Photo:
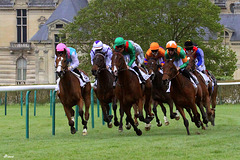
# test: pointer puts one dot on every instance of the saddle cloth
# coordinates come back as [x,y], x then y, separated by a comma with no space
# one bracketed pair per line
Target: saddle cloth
[82,84]
[144,75]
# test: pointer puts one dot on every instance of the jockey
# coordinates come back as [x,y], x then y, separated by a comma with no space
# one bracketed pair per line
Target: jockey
[72,58]
[128,51]
[139,53]
[156,52]
[181,61]
[189,46]
[199,56]
[99,47]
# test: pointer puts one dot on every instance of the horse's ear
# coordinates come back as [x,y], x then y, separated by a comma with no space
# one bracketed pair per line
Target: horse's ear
[65,51]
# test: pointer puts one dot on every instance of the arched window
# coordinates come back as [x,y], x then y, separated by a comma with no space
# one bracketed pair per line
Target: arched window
[21,70]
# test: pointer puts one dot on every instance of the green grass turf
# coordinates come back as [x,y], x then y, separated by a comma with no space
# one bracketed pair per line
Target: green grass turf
[166,142]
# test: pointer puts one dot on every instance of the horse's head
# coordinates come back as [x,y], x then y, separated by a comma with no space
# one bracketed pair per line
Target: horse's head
[118,62]
[191,58]
[61,62]
[98,63]
[169,71]
[152,66]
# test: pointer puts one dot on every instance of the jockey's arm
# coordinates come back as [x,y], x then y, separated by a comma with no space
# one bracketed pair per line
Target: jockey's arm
[199,58]
[75,62]
[108,57]
[92,56]
[184,58]
[147,56]
[131,52]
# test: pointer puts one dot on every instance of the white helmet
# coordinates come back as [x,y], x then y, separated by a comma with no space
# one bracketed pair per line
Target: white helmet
[97,45]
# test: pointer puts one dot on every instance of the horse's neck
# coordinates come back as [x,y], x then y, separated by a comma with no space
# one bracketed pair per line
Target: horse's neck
[179,82]
[157,79]
[125,77]
[105,77]
[66,81]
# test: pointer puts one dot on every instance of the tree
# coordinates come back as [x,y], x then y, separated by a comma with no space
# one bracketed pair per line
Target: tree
[145,21]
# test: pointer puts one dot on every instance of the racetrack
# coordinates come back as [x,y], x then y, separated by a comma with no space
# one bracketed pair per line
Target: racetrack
[166,142]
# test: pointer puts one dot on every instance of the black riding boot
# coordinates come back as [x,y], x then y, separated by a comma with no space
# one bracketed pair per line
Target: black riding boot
[140,75]
[78,72]
[189,75]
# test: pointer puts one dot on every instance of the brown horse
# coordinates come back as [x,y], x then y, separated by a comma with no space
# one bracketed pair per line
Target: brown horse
[182,92]
[129,92]
[71,93]
[104,91]
[205,99]
[159,94]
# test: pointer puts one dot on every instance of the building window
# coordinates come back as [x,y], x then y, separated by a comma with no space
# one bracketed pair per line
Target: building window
[21,70]
[21,25]
[59,25]
[58,39]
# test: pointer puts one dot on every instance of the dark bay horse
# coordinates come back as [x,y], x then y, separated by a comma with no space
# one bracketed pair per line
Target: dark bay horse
[104,91]
[129,92]
[159,94]
[182,92]
[71,93]
[205,99]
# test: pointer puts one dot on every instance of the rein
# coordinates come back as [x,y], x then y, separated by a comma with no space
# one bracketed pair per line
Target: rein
[173,76]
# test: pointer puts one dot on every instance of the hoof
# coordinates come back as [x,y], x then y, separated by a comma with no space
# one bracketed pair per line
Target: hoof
[120,129]
[139,132]
[73,130]
[166,123]
[128,126]
[177,118]
[84,133]
[116,123]
[148,127]
[110,125]
[159,124]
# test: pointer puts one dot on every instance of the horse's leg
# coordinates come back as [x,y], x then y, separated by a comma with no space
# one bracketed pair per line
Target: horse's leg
[120,129]
[81,112]
[70,120]
[135,108]
[127,110]
[197,120]
[159,123]
[190,114]
[114,106]
[214,103]
[87,100]
[204,115]
[106,117]
[185,121]
[172,114]
[164,112]
[109,123]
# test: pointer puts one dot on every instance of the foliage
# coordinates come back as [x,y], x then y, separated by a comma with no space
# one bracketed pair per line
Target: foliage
[145,21]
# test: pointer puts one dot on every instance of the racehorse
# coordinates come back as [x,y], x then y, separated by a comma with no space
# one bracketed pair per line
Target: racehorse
[159,94]
[182,92]
[205,99]
[129,92]
[104,91]
[71,93]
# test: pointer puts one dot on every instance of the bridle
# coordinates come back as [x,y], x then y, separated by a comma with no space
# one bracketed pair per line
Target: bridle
[100,68]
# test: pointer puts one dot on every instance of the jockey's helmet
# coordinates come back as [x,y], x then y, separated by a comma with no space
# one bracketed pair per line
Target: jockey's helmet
[60,47]
[119,41]
[171,44]
[154,46]
[188,44]
[98,45]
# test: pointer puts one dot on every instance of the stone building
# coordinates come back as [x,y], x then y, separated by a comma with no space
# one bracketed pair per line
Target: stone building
[29,31]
